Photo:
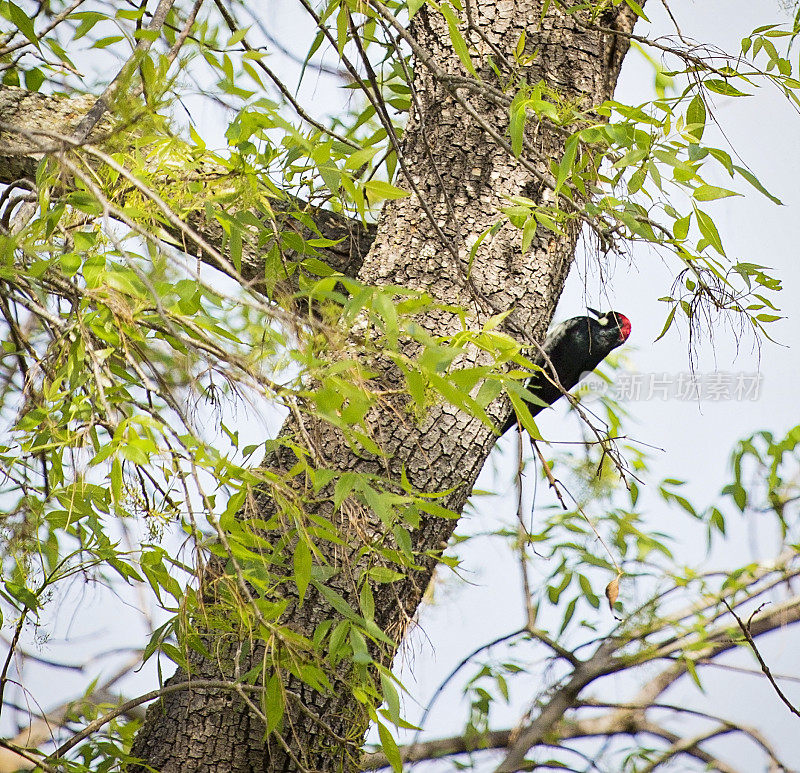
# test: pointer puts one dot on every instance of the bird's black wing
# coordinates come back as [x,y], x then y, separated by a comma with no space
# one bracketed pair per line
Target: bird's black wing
[563,346]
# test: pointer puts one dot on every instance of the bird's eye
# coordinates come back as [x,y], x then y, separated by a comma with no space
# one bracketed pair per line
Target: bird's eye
[603,321]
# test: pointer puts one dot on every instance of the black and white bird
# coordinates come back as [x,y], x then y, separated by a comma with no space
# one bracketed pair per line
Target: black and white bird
[574,347]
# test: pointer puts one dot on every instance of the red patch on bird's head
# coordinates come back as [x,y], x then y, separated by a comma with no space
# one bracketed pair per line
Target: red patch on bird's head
[624,327]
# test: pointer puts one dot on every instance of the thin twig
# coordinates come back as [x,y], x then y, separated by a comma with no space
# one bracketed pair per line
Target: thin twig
[55,21]
[745,628]
[184,33]
[10,656]
[554,485]
[298,108]
[98,110]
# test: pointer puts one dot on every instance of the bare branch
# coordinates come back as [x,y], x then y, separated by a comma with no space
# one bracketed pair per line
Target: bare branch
[745,628]
[441,747]
[103,103]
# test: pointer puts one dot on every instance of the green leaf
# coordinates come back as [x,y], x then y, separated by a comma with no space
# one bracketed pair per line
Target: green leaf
[568,613]
[528,232]
[637,181]
[34,78]
[359,645]
[754,181]
[711,192]
[709,230]
[116,479]
[457,39]
[391,698]
[377,190]
[360,157]
[458,398]
[383,574]
[737,491]
[437,510]
[519,49]
[342,28]
[367,601]
[516,125]
[23,595]
[681,227]
[691,668]
[302,567]
[346,483]
[568,161]
[474,249]
[24,23]
[637,9]
[274,702]
[336,601]
[338,638]
[667,324]
[390,748]
[724,88]
[696,117]
[524,415]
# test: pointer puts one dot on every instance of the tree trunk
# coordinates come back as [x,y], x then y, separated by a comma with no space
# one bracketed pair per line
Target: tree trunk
[464,177]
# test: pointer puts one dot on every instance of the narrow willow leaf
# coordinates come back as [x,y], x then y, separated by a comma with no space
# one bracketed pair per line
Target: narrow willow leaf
[567,162]
[377,190]
[390,749]
[524,415]
[23,22]
[528,232]
[756,183]
[709,230]
[457,39]
[274,702]
[414,6]
[668,323]
[696,117]
[724,88]
[391,698]
[637,9]
[712,192]
[302,568]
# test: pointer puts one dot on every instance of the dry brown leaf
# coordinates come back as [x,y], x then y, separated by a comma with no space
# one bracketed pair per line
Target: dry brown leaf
[612,592]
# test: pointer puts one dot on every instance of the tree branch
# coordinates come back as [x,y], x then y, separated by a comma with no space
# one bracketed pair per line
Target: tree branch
[441,747]
[745,628]
[31,119]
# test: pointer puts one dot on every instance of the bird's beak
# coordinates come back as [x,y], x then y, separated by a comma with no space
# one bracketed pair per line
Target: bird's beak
[593,311]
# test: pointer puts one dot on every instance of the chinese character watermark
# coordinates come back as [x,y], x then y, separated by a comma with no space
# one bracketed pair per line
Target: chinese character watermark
[716,386]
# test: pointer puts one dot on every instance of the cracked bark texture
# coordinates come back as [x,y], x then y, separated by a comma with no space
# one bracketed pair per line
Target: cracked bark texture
[471,176]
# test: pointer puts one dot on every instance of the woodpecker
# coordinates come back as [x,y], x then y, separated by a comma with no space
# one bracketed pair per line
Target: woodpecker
[574,347]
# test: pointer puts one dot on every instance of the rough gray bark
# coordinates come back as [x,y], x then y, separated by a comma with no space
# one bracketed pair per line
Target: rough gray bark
[213,731]
[472,175]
